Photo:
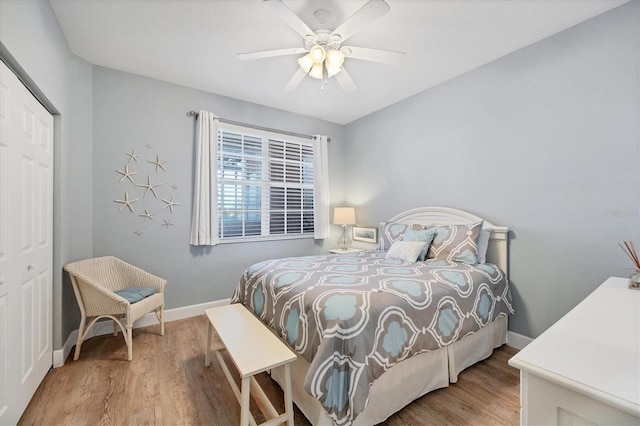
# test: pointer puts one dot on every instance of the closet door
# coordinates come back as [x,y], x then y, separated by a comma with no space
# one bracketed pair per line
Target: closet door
[26,246]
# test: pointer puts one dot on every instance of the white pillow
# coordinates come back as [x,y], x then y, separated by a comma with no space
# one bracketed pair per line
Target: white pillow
[483,244]
[406,250]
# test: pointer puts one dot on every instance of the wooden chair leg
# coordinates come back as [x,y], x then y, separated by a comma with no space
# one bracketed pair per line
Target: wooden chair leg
[160,315]
[115,328]
[129,339]
[76,354]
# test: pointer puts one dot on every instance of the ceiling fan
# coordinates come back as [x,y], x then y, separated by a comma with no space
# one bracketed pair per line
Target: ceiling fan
[323,49]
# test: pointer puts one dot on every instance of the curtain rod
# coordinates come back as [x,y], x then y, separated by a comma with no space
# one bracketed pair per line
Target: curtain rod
[253,126]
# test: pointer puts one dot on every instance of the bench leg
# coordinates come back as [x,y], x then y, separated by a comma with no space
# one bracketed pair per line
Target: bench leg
[288,403]
[207,355]
[244,406]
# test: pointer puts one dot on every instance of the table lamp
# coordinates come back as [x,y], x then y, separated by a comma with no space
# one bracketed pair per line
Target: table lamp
[344,216]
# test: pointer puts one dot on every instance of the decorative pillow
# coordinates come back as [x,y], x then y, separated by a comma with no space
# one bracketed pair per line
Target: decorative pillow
[424,235]
[483,244]
[393,231]
[456,243]
[406,250]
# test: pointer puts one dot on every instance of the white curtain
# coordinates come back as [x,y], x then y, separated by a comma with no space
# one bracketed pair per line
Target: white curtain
[321,188]
[204,229]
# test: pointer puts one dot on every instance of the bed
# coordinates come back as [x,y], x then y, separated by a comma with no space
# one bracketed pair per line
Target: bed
[375,333]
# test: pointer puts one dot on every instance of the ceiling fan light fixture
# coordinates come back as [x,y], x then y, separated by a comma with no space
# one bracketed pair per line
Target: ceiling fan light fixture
[316,71]
[317,54]
[335,58]
[305,63]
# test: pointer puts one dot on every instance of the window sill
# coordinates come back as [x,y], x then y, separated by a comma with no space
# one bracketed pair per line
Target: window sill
[259,239]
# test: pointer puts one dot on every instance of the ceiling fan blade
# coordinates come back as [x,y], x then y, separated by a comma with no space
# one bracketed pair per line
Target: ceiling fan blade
[295,80]
[271,53]
[281,9]
[373,55]
[345,81]
[368,13]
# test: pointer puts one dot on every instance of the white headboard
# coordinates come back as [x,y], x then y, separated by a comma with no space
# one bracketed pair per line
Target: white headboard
[497,253]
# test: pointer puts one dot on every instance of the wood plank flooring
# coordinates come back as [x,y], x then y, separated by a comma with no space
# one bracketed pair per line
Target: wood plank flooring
[167,383]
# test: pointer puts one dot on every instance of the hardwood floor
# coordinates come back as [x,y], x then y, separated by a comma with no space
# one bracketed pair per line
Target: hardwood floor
[167,383]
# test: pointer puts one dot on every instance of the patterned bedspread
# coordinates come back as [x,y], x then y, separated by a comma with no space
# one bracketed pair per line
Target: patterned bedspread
[353,316]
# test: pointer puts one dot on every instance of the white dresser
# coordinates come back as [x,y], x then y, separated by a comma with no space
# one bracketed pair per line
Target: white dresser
[585,369]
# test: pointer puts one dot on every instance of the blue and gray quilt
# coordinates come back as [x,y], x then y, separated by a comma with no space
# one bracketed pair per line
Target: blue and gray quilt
[354,316]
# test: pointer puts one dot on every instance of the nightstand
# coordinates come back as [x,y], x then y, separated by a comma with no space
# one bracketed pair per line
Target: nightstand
[340,251]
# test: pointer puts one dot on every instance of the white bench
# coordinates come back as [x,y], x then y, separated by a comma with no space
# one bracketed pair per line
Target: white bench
[253,349]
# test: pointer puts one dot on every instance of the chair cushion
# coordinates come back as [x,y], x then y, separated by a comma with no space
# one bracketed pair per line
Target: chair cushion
[135,294]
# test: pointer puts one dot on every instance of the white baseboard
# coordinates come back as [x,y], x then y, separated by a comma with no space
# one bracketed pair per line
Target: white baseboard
[517,341]
[106,327]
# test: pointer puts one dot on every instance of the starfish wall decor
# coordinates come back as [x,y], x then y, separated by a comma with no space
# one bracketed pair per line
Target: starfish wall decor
[170,204]
[133,156]
[126,202]
[147,215]
[127,178]
[127,174]
[150,187]
[158,163]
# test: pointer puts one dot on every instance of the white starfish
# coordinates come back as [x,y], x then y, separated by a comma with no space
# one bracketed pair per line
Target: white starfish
[127,174]
[138,232]
[133,156]
[147,215]
[166,222]
[170,204]
[150,187]
[126,202]
[158,163]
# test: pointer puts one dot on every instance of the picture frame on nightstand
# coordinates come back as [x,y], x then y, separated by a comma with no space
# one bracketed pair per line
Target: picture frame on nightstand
[365,234]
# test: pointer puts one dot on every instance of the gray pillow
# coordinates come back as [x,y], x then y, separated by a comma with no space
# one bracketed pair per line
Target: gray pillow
[393,231]
[483,245]
[456,243]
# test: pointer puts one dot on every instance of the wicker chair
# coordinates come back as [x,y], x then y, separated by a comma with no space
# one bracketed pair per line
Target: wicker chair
[94,283]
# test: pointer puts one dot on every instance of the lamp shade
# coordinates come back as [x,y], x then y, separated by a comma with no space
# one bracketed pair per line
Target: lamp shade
[335,58]
[344,216]
[305,63]
[316,71]
[317,54]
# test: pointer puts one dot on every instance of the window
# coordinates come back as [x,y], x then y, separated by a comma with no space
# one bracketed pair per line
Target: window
[265,185]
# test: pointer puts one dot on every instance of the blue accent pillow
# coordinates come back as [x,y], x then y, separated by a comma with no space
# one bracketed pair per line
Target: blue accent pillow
[135,294]
[423,235]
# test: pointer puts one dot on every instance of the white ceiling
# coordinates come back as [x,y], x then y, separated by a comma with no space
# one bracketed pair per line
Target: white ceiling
[195,42]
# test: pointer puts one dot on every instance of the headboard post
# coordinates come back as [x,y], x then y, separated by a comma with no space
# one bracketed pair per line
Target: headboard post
[498,250]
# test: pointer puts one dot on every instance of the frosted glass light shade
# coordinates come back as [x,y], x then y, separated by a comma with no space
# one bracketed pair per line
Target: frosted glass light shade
[316,71]
[344,216]
[317,54]
[335,58]
[305,63]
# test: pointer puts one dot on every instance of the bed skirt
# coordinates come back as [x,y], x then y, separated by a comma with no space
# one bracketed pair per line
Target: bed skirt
[406,381]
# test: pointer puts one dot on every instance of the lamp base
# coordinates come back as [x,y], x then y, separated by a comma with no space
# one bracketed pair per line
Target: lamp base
[344,241]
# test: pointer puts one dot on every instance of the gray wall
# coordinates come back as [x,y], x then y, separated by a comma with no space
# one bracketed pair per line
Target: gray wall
[131,111]
[545,141]
[31,41]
